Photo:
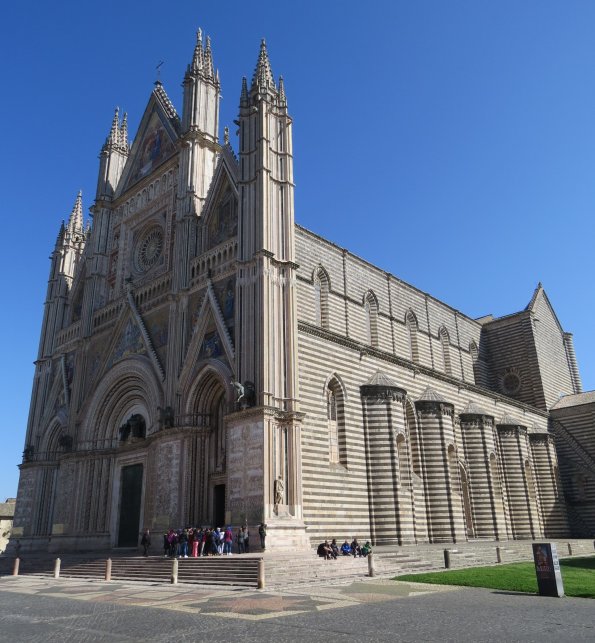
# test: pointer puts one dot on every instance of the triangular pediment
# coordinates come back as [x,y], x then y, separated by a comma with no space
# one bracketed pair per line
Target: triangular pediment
[128,340]
[210,338]
[220,212]
[154,143]
[540,305]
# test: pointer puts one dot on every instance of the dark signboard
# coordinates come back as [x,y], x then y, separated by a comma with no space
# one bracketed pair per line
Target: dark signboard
[547,569]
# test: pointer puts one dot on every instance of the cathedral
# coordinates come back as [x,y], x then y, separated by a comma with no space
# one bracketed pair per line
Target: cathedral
[204,360]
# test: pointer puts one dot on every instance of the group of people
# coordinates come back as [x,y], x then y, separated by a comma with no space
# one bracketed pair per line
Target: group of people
[194,542]
[331,551]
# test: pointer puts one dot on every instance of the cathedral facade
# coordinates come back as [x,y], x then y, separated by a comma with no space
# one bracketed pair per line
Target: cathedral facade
[204,360]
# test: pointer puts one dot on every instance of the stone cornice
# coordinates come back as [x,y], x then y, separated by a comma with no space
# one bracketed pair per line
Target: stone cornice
[364,349]
[383,393]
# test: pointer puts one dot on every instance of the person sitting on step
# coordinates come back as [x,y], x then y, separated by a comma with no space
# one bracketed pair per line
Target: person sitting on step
[356,549]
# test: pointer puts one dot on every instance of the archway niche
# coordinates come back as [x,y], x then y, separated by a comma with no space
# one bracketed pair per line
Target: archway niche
[207,491]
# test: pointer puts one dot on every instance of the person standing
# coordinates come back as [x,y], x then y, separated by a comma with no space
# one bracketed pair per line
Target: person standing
[145,541]
[227,541]
[246,539]
[240,540]
[262,532]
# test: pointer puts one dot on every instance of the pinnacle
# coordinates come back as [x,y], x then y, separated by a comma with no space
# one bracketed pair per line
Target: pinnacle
[114,134]
[75,222]
[282,98]
[209,71]
[263,76]
[61,232]
[202,60]
[124,132]
[198,59]
[244,94]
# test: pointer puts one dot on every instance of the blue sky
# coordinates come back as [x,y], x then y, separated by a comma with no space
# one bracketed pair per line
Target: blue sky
[451,143]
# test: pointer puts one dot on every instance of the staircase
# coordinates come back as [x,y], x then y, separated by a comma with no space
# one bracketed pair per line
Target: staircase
[231,571]
[287,569]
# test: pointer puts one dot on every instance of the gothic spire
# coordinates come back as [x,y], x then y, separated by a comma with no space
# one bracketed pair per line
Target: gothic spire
[208,68]
[282,98]
[198,58]
[124,132]
[263,76]
[75,221]
[114,135]
[60,237]
[244,94]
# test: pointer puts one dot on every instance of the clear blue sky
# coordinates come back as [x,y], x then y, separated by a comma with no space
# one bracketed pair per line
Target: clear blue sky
[451,143]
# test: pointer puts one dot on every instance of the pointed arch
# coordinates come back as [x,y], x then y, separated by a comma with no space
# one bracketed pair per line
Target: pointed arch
[412,329]
[473,351]
[371,311]
[129,387]
[335,416]
[445,342]
[322,287]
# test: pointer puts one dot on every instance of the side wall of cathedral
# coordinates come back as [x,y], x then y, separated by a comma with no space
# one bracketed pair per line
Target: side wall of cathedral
[381,460]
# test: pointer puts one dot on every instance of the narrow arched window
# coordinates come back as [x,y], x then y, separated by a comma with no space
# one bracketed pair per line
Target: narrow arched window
[445,341]
[333,429]
[321,293]
[411,323]
[371,310]
[336,423]
[530,480]
[474,352]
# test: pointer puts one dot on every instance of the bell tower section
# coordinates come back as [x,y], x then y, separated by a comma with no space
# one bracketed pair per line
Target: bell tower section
[266,318]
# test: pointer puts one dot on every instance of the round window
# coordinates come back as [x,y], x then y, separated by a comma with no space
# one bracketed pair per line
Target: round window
[149,249]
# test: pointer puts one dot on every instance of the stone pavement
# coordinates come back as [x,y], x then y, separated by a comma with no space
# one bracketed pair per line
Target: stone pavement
[41,609]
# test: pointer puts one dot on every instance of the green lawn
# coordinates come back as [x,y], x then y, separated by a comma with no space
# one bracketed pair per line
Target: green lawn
[578,575]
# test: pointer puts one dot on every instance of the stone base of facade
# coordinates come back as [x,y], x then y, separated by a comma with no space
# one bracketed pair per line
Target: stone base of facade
[286,535]
[96,542]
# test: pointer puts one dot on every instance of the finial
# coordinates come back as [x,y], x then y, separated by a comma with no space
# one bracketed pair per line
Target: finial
[282,98]
[158,70]
[226,135]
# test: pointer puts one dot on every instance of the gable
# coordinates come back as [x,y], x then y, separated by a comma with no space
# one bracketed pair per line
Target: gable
[153,145]
[221,207]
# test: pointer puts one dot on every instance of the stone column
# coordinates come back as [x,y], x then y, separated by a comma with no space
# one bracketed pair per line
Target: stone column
[547,478]
[440,468]
[487,508]
[383,412]
[518,478]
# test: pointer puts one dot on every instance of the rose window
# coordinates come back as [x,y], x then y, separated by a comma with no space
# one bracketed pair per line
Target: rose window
[149,249]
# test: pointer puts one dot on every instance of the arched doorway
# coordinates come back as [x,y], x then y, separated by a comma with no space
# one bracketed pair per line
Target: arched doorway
[131,491]
[208,448]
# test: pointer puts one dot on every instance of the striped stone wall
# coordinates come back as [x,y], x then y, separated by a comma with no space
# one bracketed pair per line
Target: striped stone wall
[519,480]
[551,497]
[484,477]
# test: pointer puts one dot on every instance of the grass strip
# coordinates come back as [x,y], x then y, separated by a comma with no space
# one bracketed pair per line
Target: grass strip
[577,574]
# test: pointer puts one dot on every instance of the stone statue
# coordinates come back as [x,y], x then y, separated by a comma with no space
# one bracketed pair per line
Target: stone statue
[246,395]
[279,491]
[239,389]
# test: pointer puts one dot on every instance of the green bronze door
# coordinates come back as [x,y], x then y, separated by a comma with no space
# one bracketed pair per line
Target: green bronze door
[131,488]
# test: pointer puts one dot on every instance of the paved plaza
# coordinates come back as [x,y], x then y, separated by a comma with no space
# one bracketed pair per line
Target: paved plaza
[41,609]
